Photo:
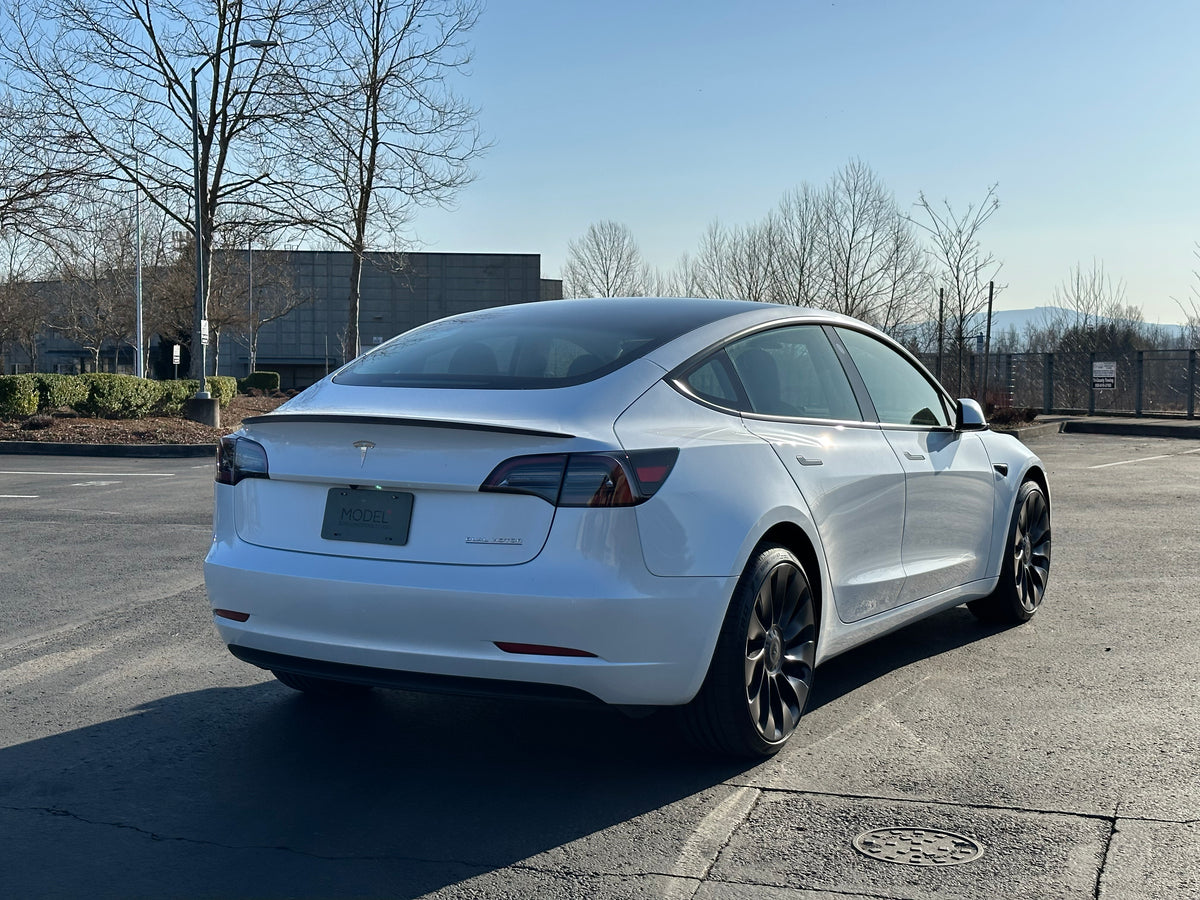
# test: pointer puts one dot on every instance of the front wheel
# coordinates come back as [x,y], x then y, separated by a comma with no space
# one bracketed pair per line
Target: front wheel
[1026,567]
[762,669]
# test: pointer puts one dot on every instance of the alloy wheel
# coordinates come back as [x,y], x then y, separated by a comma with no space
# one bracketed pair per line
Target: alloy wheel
[1031,551]
[780,651]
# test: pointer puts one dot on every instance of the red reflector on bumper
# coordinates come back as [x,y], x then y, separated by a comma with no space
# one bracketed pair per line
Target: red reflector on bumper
[231,614]
[541,650]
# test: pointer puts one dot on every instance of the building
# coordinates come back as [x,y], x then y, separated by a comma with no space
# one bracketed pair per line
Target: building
[399,291]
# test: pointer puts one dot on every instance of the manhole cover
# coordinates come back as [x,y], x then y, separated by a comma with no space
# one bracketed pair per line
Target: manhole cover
[918,846]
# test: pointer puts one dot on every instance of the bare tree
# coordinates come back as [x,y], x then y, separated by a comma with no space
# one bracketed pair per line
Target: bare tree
[799,275]
[106,65]
[251,289]
[961,267]
[383,132]
[1191,311]
[869,253]
[605,262]
[95,306]
[23,312]
[38,164]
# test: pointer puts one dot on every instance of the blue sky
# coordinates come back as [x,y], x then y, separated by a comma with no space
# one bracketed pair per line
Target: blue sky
[666,116]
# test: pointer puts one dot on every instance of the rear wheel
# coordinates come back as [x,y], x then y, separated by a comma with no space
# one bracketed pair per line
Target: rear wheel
[1026,567]
[762,669]
[319,687]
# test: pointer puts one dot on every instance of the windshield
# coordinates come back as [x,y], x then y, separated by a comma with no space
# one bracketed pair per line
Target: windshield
[532,345]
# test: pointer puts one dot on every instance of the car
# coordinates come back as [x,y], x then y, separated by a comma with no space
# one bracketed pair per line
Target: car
[644,502]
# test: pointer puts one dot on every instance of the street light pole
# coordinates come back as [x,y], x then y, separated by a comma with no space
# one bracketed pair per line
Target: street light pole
[200,334]
[139,364]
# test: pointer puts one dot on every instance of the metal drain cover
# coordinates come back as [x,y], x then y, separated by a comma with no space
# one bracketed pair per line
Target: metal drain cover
[918,846]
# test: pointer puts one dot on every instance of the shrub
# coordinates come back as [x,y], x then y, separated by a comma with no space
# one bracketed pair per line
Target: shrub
[1012,415]
[265,382]
[113,396]
[223,387]
[18,396]
[173,395]
[60,391]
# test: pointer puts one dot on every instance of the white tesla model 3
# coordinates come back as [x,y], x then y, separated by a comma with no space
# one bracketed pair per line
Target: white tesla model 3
[646,502]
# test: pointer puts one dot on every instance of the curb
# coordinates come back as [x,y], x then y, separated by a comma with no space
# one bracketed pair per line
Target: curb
[1027,432]
[1132,428]
[145,451]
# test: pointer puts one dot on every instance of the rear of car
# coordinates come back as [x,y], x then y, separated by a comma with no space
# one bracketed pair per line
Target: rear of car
[454,511]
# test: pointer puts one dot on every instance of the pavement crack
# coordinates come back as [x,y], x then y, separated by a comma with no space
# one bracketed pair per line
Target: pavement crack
[1113,831]
[954,804]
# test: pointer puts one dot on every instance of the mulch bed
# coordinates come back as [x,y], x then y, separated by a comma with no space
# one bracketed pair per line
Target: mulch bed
[62,429]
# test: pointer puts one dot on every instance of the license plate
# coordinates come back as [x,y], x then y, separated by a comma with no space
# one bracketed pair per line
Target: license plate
[367,516]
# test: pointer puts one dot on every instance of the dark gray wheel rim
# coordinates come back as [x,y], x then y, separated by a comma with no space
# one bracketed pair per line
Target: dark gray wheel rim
[1031,550]
[780,649]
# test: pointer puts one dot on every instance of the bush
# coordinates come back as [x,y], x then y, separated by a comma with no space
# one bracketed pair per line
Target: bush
[173,395]
[59,391]
[118,396]
[1012,415]
[223,387]
[259,381]
[18,396]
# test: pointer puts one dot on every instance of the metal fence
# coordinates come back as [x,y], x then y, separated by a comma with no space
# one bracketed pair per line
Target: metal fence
[1147,383]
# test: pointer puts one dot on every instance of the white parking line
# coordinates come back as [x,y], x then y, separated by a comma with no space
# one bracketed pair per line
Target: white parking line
[91,474]
[18,496]
[1129,462]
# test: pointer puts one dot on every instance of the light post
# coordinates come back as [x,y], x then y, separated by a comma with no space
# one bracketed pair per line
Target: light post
[200,335]
[139,364]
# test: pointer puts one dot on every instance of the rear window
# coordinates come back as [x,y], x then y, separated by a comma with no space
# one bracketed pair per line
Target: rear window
[533,345]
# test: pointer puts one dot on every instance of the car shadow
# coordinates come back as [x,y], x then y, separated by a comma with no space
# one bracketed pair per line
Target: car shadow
[948,630]
[260,791]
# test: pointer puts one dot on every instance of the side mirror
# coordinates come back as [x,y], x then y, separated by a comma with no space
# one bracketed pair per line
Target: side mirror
[969,416]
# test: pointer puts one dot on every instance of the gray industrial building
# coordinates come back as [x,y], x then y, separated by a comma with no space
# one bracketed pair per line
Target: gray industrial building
[398,292]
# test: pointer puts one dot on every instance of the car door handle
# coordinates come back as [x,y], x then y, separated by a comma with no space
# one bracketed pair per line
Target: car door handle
[914,456]
[809,462]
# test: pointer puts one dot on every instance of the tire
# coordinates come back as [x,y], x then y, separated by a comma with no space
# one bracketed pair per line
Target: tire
[761,672]
[319,687]
[1026,567]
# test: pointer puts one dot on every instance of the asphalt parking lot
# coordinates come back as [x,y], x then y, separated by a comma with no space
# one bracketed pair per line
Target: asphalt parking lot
[138,759]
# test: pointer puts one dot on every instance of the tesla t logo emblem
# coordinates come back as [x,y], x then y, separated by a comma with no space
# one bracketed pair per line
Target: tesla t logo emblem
[363,447]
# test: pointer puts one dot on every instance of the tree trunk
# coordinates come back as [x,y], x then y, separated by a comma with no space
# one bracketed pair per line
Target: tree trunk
[353,340]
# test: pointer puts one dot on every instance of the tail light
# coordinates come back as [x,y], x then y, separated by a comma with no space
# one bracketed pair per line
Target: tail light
[238,458]
[585,479]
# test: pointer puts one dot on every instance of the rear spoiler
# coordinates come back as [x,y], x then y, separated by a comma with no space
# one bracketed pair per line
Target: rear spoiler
[350,419]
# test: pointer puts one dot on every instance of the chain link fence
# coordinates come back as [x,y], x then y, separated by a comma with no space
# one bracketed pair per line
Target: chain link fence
[1147,382]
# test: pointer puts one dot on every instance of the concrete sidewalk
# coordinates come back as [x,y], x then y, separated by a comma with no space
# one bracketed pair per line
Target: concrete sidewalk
[1128,426]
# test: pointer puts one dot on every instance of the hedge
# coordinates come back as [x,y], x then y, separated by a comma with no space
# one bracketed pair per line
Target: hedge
[267,382]
[18,396]
[173,395]
[59,391]
[106,395]
[223,387]
[112,396]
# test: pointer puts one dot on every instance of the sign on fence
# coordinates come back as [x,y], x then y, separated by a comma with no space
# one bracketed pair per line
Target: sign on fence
[1104,376]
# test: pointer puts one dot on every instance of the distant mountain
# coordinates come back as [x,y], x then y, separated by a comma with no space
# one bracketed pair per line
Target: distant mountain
[1039,316]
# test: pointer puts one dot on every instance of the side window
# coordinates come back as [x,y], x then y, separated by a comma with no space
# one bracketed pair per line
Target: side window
[794,371]
[901,393]
[711,382]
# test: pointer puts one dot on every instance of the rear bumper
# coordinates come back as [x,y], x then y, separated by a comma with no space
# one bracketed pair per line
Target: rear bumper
[400,622]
